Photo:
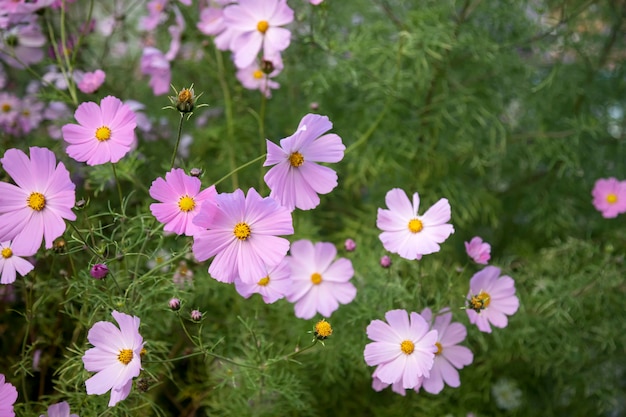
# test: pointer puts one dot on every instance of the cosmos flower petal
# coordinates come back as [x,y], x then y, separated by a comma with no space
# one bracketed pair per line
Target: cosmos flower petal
[434,383]
[458,356]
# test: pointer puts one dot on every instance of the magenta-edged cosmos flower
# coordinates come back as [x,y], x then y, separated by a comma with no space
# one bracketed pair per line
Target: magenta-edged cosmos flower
[91,81]
[61,409]
[478,250]
[273,286]
[491,298]
[409,234]
[103,134]
[320,283]
[34,209]
[8,396]
[609,197]
[257,26]
[242,235]
[180,200]
[12,263]
[403,348]
[116,357]
[297,179]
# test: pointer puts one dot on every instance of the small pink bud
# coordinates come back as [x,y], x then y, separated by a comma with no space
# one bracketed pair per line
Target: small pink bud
[99,271]
[196,315]
[385,261]
[174,304]
[350,245]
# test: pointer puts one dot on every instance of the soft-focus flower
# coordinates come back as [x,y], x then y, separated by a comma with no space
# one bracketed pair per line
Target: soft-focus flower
[30,115]
[36,207]
[61,409]
[116,357]
[409,234]
[176,31]
[22,42]
[180,199]
[91,81]
[103,134]
[157,15]
[478,250]
[507,394]
[183,276]
[8,396]
[403,348]
[349,245]
[154,64]
[258,27]
[491,298]
[257,76]
[297,179]
[11,262]
[99,271]
[174,304]
[275,285]
[242,235]
[320,283]
[385,261]
[10,107]
[196,315]
[609,197]
[315,2]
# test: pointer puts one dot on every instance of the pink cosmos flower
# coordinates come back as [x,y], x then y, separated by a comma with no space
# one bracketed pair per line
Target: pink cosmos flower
[403,349]
[156,10]
[242,235]
[30,116]
[116,357]
[176,32]
[272,287]
[34,209]
[180,200]
[254,78]
[297,179]
[409,234]
[8,396]
[154,64]
[11,262]
[61,409]
[104,134]
[91,81]
[491,298]
[320,283]
[609,197]
[257,24]
[23,43]
[478,250]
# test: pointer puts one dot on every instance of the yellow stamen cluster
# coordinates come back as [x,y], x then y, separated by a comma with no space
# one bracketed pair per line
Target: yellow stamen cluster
[242,231]
[264,281]
[611,198]
[7,253]
[415,226]
[316,278]
[296,159]
[103,133]
[36,201]
[480,302]
[263,26]
[258,74]
[186,203]
[125,356]
[323,329]
[6,107]
[407,347]
[439,348]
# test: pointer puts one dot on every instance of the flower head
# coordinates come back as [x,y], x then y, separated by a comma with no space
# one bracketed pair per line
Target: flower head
[478,250]
[35,208]
[272,287]
[491,298]
[297,179]
[8,396]
[409,234]
[403,348]
[385,261]
[99,271]
[609,197]
[104,134]
[61,409]
[116,357]
[320,283]
[91,81]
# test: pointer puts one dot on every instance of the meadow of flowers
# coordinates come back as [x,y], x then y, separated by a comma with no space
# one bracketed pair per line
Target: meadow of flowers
[312,207]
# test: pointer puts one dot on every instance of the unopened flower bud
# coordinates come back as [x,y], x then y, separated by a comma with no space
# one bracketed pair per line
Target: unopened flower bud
[323,329]
[314,105]
[385,261]
[185,100]
[196,315]
[350,245]
[174,304]
[80,203]
[99,271]
[267,66]
[195,172]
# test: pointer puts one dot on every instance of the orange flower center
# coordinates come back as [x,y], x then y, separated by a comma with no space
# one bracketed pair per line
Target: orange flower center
[264,281]
[415,226]
[316,278]
[263,26]
[125,356]
[296,159]
[439,348]
[407,347]
[7,253]
[480,302]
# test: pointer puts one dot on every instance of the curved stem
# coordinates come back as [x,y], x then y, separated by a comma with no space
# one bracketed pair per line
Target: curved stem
[234,171]
[180,129]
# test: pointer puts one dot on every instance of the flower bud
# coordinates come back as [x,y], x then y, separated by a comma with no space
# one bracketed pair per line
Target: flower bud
[350,245]
[195,172]
[385,261]
[174,304]
[196,315]
[323,329]
[99,271]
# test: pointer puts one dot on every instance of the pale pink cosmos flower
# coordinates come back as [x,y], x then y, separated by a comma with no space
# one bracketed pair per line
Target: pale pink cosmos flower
[297,179]
[242,234]
[257,24]
[179,199]
[409,234]
[609,197]
[275,285]
[91,81]
[176,32]
[154,64]
[103,134]
[320,283]
[30,116]
[491,298]
[35,208]
[8,396]
[12,263]
[61,409]
[403,348]
[478,250]
[116,357]
[23,43]
[156,15]
[254,77]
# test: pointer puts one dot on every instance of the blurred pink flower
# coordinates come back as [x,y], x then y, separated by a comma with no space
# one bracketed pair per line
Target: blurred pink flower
[297,179]
[478,250]
[154,64]
[23,43]
[176,32]
[180,200]
[275,285]
[104,134]
[315,2]
[403,349]
[10,107]
[116,357]
[30,115]
[609,197]
[409,234]
[61,409]
[491,298]
[8,396]
[156,15]
[320,283]
[11,262]
[36,207]
[91,81]
[254,78]
[242,235]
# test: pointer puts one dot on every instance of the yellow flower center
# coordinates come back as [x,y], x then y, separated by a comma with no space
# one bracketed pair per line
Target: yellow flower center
[296,159]
[263,26]
[323,329]
[415,226]
[36,201]
[125,356]
[26,113]
[6,107]
[611,198]
[480,302]
[103,133]
[7,253]
[186,203]
[316,278]
[439,348]
[258,74]
[142,353]
[407,347]
[242,231]
[264,281]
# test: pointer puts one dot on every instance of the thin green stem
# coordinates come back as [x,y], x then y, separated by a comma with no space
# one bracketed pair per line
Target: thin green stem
[119,187]
[234,171]
[228,110]
[84,241]
[180,129]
